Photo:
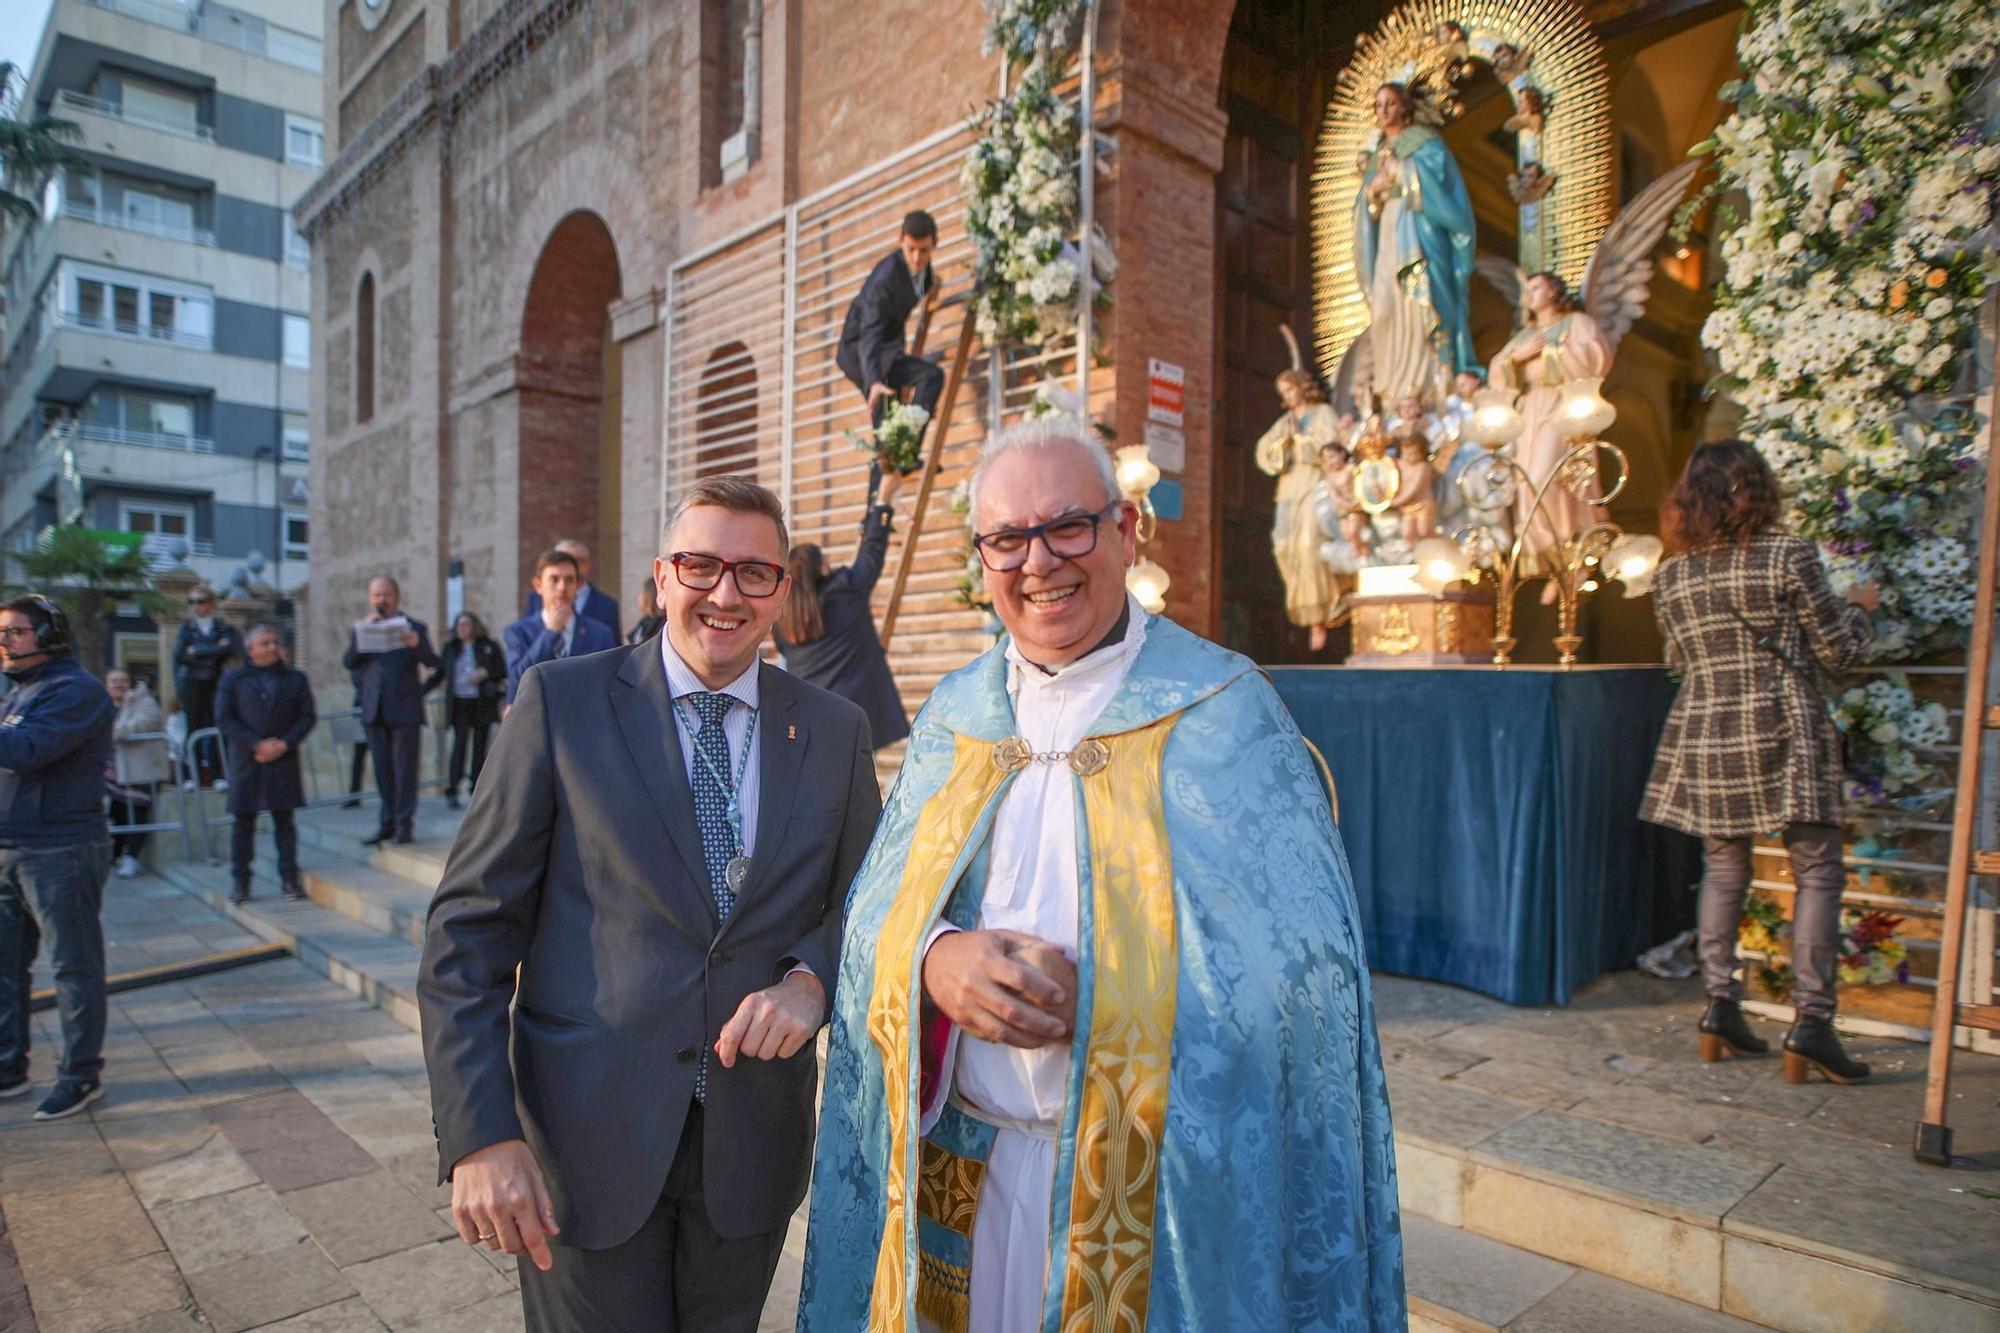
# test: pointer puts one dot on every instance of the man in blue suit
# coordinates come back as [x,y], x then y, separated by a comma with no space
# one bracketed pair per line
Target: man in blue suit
[392,708]
[592,603]
[555,629]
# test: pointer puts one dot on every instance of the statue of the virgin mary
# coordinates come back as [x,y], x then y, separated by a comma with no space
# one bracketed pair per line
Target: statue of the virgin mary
[1414,244]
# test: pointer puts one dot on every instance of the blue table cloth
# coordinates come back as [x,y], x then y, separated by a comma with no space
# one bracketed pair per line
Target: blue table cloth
[1492,818]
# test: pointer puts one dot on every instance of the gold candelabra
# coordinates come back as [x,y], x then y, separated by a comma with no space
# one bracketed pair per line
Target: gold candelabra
[1574,563]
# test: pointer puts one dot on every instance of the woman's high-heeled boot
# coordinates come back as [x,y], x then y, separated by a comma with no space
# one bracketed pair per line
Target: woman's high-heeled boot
[1813,1042]
[1725,1032]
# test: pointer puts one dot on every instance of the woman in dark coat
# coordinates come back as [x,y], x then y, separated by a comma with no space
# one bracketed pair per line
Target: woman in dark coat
[474,671]
[827,632]
[264,711]
[1749,747]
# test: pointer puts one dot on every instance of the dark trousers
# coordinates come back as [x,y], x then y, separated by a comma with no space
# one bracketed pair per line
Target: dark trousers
[468,730]
[357,768]
[907,372]
[57,893]
[395,751]
[198,702]
[129,812]
[1818,878]
[243,846]
[675,1275]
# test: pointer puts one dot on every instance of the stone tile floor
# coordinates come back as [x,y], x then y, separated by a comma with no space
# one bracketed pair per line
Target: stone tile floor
[263,1159]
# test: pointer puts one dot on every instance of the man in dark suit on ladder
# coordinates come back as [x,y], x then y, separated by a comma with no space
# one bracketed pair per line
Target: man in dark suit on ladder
[632,946]
[871,352]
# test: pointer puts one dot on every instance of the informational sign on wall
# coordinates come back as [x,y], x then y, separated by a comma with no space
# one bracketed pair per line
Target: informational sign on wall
[1166,391]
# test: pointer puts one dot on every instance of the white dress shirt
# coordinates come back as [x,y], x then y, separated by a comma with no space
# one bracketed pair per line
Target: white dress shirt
[681,682]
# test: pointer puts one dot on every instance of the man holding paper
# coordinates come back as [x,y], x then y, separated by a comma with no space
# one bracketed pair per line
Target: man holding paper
[390,651]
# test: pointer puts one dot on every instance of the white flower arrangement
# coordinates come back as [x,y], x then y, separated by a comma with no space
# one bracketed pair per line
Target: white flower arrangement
[1020,183]
[1852,285]
[1901,735]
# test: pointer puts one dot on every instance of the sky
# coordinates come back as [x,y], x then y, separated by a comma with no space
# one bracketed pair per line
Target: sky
[21,30]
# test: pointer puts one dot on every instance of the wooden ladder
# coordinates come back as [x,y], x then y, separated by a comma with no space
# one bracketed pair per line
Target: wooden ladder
[933,460]
[1982,719]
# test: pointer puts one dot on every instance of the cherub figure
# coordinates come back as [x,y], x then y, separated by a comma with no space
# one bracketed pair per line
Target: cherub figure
[1529,111]
[1510,62]
[1530,184]
[1416,495]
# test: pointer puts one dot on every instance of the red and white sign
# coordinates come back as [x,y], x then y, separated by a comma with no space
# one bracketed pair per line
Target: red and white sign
[1166,391]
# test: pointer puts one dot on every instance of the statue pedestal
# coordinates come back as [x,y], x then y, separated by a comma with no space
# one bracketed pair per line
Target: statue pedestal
[1416,629]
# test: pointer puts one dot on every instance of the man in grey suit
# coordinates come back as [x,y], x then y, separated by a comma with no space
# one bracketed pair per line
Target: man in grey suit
[391,700]
[662,846]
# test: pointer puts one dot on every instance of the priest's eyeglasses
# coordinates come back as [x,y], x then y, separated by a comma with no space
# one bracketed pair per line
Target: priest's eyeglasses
[754,578]
[1070,537]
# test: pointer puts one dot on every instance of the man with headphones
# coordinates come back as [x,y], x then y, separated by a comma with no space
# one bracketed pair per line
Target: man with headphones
[55,848]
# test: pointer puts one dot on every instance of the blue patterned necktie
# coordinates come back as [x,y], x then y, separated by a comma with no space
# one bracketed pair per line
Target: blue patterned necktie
[711,816]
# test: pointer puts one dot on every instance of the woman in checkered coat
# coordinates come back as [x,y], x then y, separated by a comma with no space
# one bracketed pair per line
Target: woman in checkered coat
[1750,747]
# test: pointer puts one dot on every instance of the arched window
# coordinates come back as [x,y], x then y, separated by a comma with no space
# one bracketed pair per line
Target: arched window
[725,414]
[364,350]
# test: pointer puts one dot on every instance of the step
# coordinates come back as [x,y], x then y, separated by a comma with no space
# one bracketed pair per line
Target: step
[1461,1281]
[1716,1230]
[376,965]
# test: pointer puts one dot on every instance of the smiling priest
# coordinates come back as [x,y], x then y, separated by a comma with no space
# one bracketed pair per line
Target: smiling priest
[1104,1053]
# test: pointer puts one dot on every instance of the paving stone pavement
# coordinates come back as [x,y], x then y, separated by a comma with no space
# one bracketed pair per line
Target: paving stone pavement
[263,1159]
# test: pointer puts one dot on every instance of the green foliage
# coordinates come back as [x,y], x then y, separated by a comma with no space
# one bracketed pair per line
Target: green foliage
[31,149]
[87,576]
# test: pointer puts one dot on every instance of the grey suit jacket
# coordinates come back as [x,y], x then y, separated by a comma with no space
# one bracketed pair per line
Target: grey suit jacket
[579,862]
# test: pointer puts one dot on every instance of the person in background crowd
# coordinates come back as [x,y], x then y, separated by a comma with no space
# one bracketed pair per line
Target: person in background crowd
[203,650]
[555,630]
[650,619]
[265,710]
[392,708]
[139,764]
[827,631]
[591,603]
[475,671]
[55,848]
[357,765]
[1749,745]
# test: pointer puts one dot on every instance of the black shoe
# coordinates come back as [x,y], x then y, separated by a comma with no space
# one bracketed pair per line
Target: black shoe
[451,800]
[377,840]
[351,803]
[68,1098]
[240,894]
[1725,1032]
[296,892]
[15,1089]
[405,839]
[1813,1042]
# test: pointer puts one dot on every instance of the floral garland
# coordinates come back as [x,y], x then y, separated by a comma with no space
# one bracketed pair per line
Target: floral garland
[1893,740]
[1852,287]
[1019,178]
[1870,953]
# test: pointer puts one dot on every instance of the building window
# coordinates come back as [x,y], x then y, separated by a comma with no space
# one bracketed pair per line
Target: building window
[364,349]
[295,535]
[158,104]
[298,254]
[162,524]
[305,142]
[298,342]
[150,417]
[298,437]
[158,212]
[136,305]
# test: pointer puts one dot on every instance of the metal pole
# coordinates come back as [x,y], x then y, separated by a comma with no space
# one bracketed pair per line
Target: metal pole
[1087,192]
[666,405]
[788,362]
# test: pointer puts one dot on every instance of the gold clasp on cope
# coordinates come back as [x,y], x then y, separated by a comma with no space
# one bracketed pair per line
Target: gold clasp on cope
[1089,757]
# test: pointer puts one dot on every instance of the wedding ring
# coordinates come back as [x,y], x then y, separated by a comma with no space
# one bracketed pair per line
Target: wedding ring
[488,1235]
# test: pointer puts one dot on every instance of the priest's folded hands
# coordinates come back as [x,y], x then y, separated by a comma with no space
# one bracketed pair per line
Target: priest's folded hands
[1002,986]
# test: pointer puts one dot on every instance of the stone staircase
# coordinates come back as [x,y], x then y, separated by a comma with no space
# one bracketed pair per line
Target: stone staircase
[1559,1169]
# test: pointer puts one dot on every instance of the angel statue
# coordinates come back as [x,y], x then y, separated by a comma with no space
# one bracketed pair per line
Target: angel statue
[1413,221]
[1289,451]
[1564,338]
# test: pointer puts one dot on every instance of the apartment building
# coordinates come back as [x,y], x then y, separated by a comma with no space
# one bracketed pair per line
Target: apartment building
[157,344]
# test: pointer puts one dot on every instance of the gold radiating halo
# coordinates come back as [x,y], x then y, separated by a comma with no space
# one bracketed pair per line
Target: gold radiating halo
[1568,68]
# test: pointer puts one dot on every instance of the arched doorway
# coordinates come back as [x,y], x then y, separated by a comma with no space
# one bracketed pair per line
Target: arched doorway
[725,413]
[568,384]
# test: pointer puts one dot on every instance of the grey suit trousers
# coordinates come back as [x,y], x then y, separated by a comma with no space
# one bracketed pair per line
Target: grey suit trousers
[708,1284]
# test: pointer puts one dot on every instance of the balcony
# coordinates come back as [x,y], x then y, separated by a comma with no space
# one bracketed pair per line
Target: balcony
[70,99]
[105,218]
[186,444]
[296,49]
[73,319]
[70,455]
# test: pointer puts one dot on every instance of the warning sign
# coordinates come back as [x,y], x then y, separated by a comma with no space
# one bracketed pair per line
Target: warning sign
[1166,391]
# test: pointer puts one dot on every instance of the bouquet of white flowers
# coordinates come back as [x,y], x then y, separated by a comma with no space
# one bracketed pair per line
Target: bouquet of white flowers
[898,441]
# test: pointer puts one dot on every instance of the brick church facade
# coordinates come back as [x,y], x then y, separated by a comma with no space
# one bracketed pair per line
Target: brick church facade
[570,254]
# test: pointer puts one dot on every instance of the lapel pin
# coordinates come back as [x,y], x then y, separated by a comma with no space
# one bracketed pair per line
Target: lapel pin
[792,732]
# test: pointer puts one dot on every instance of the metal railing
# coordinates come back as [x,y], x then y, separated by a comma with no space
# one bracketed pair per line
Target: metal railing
[76,101]
[148,439]
[125,328]
[124,222]
[151,795]
[281,44]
